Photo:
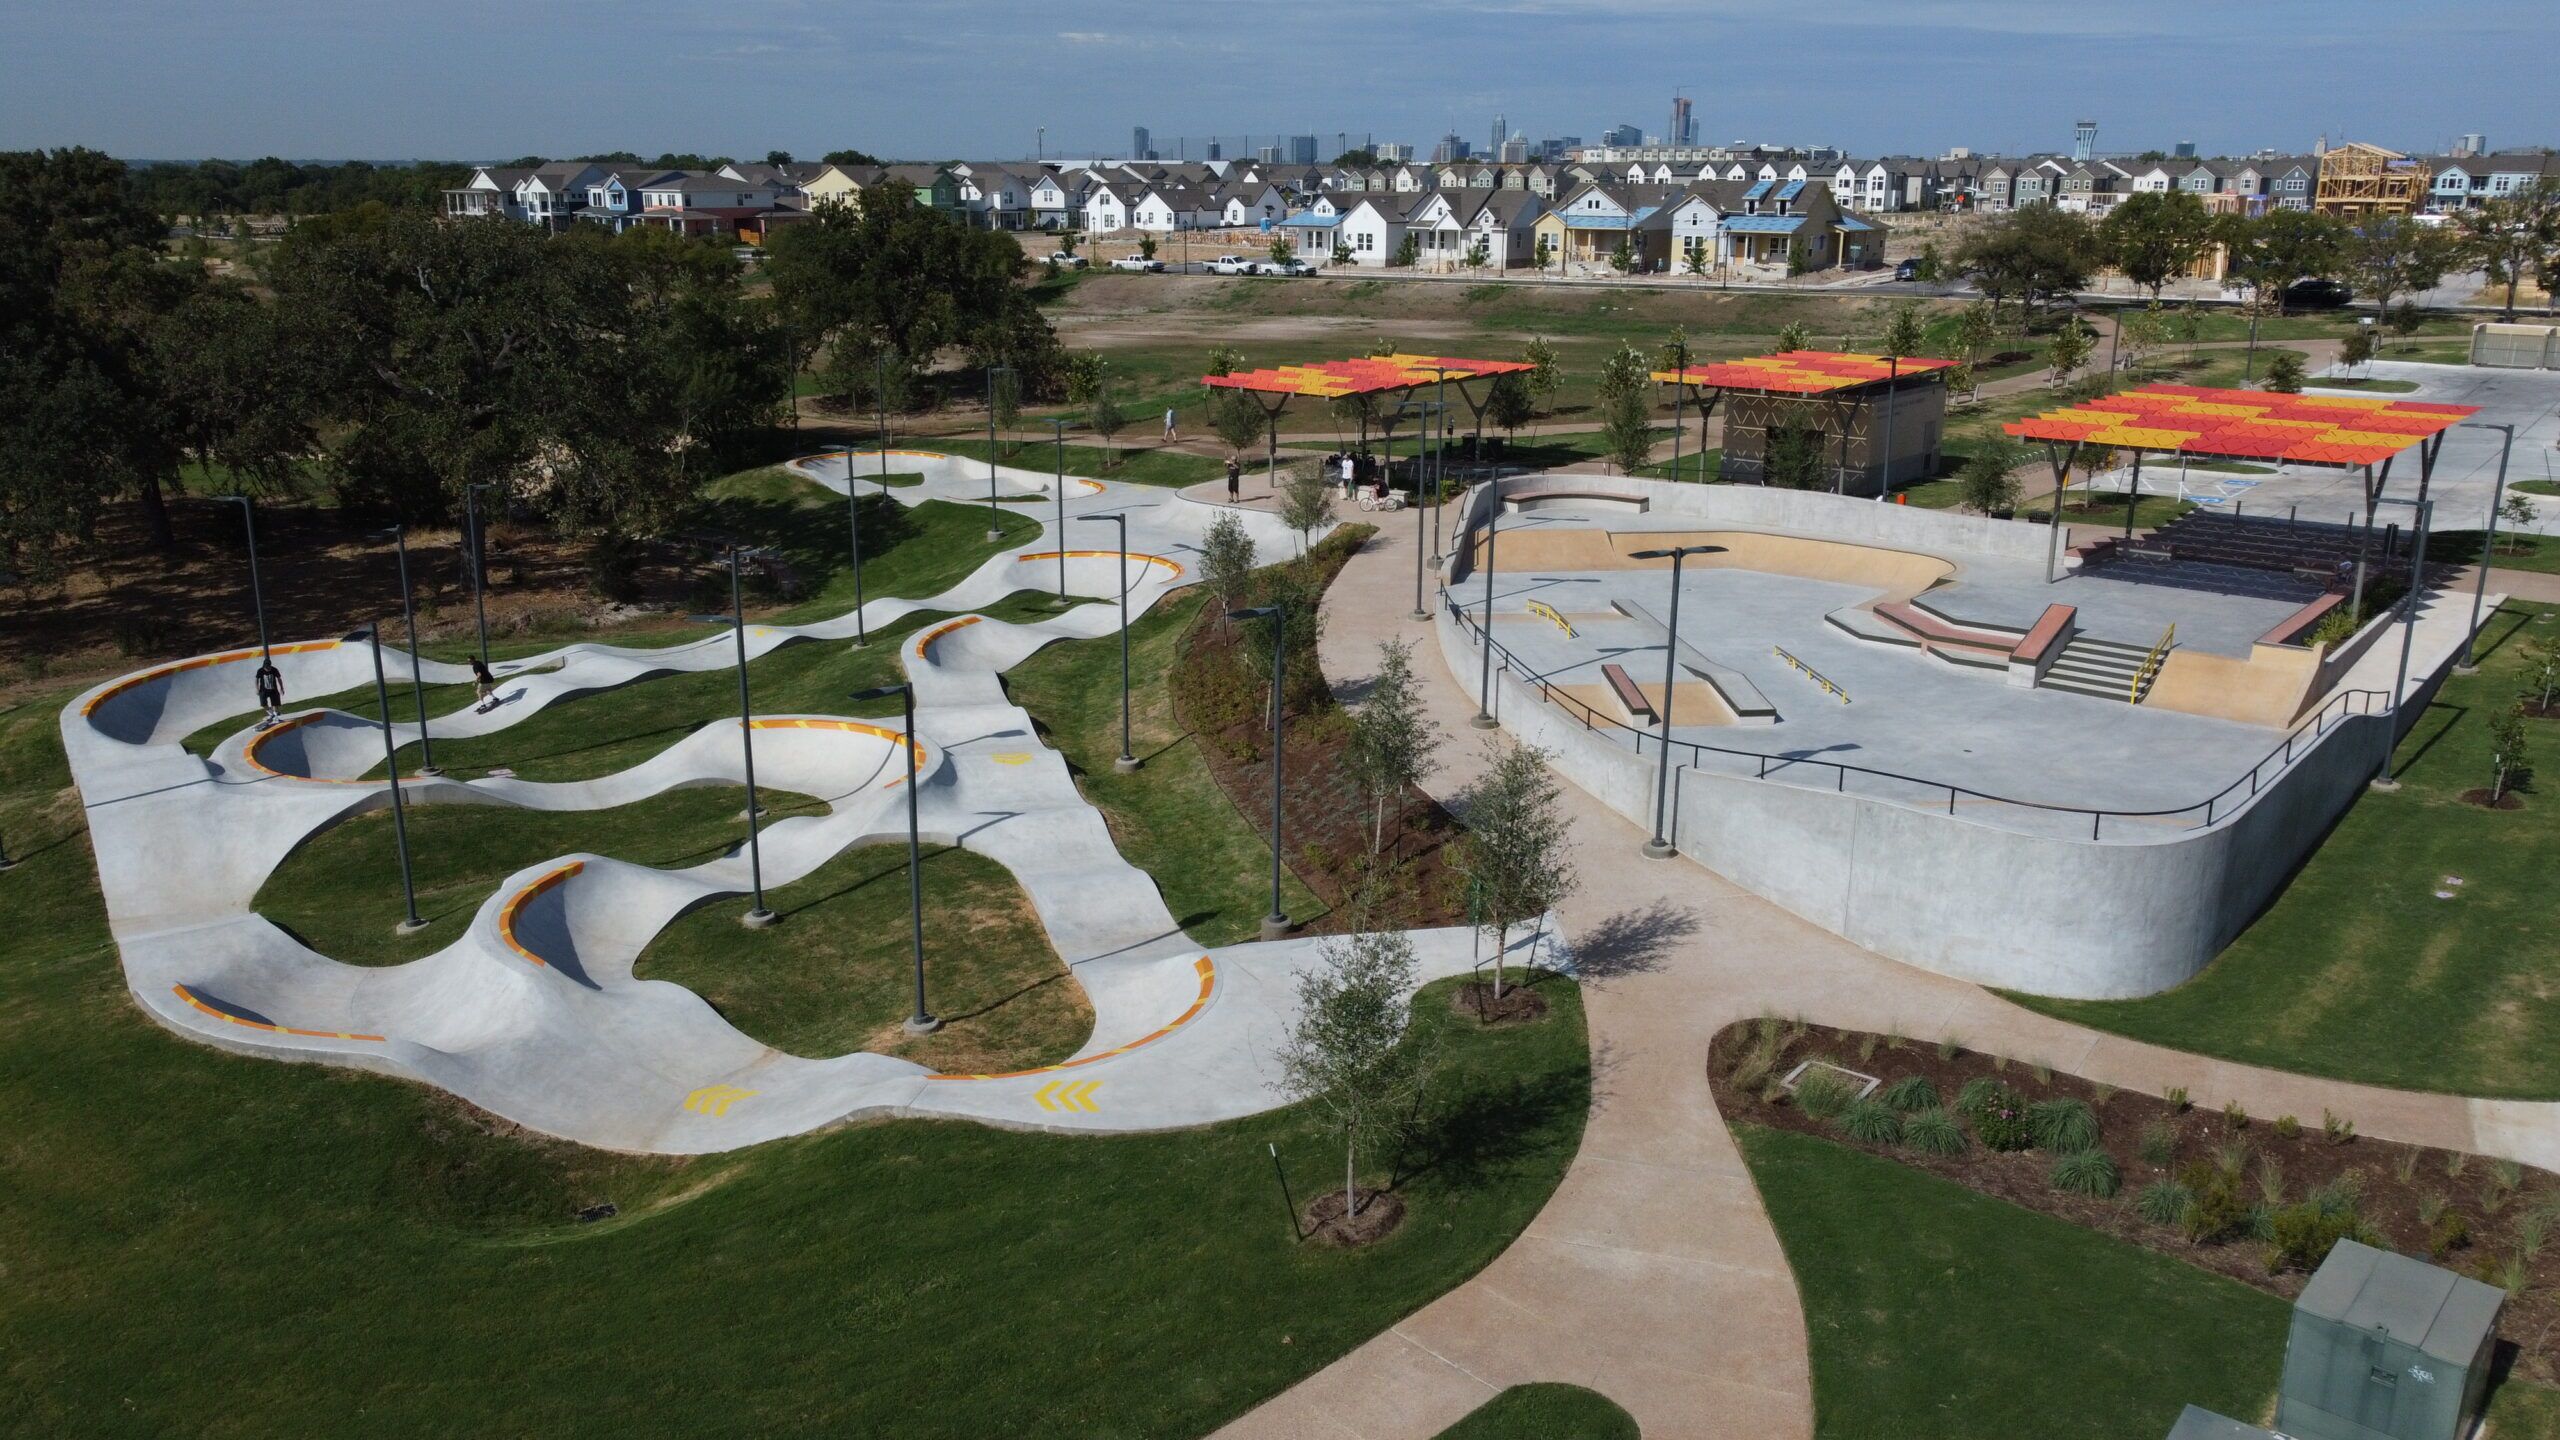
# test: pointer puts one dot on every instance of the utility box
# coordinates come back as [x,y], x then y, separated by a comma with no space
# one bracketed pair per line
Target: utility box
[2384,1347]
[2197,1423]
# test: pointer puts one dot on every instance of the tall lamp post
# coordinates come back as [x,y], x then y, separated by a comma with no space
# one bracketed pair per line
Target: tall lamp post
[923,1021]
[1421,408]
[479,560]
[2479,592]
[1893,378]
[1127,761]
[417,676]
[257,595]
[995,525]
[1484,676]
[1275,924]
[1058,435]
[757,916]
[1660,847]
[853,545]
[411,924]
[2408,635]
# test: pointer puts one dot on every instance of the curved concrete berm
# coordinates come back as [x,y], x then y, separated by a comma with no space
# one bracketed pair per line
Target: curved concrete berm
[532,1012]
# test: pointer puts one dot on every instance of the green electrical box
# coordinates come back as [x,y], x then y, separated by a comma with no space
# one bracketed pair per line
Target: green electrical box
[2384,1347]
[2198,1423]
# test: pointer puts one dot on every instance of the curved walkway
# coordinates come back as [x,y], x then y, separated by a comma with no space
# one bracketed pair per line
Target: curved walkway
[1653,1275]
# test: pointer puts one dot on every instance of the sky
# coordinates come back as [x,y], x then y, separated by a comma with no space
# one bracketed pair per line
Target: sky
[480,80]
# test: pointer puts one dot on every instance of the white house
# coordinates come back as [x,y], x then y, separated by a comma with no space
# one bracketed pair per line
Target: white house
[1052,201]
[2470,181]
[996,198]
[1107,205]
[1374,227]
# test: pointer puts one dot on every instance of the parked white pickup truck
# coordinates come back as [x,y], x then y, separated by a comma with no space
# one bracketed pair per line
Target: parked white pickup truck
[1065,261]
[1235,265]
[1139,264]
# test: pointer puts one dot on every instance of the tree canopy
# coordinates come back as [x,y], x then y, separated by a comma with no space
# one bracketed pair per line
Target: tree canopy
[2031,255]
[2154,236]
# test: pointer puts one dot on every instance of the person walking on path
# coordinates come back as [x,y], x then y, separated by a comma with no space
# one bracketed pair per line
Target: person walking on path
[1235,478]
[1171,431]
[270,693]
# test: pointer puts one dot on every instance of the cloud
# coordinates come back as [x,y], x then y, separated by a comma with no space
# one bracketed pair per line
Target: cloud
[1086,37]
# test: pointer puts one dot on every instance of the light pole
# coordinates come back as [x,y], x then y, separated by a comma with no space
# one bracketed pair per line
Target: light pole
[880,393]
[1679,397]
[1421,409]
[479,560]
[1058,433]
[257,596]
[1660,847]
[1127,760]
[412,924]
[995,525]
[417,679]
[2408,636]
[853,542]
[1893,376]
[1484,676]
[923,1021]
[2470,641]
[1275,924]
[757,916]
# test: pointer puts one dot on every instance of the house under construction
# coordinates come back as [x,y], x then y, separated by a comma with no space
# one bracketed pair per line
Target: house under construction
[2360,182]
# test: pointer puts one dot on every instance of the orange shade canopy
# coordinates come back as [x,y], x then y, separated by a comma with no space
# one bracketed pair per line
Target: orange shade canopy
[1802,372]
[2247,424]
[1328,379]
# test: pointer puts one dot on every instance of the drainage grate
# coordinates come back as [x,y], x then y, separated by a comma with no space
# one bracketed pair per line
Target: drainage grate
[1866,1083]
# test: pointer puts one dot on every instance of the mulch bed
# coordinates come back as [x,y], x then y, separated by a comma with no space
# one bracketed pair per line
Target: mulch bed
[2504,1218]
[1518,1006]
[2480,796]
[1328,821]
[1381,1211]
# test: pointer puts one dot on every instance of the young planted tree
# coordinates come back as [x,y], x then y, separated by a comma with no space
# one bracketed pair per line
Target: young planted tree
[1408,251]
[1306,504]
[1283,253]
[2395,256]
[2067,351]
[1542,255]
[1792,458]
[1004,405]
[1108,420]
[1146,247]
[1904,334]
[1391,739]
[1507,403]
[1989,480]
[2512,237]
[1478,255]
[1626,430]
[1799,259]
[2542,669]
[1517,851]
[2285,372]
[2509,756]
[1226,561]
[1976,328]
[1698,260]
[2357,349]
[1794,335]
[1238,419]
[1352,1048]
[1341,253]
[1545,374]
[1623,259]
[2140,336]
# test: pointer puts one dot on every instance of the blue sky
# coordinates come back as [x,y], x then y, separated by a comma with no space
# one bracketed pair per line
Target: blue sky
[477,79]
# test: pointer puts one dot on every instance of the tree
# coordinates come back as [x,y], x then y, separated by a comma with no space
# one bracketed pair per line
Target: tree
[1545,373]
[1623,258]
[2405,319]
[1226,561]
[2285,372]
[2140,335]
[2188,326]
[2271,251]
[2542,668]
[1799,259]
[1626,430]
[1516,854]
[1408,251]
[2509,754]
[1146,247]
[2396,256]
[1283,253]
[1108,420]
[2030,256]
[1676,353]
[1542,255]
[2068,350]
[1928,264]
[1004,404]
[1904,334]
[1478,254]
[1507,403]
[777,157]
[1976,327]
[1341,253]
[1794,335]
[1961,379]
[2358,347]
[2518,513]
[1696,260]
[2509,237]
[1351,1047]
[1306,504]
[2154,236]
[850,157]
[1392,739]
[1238,419]
[1625,371]
[1085,371]
[1792,458]
[1989,480]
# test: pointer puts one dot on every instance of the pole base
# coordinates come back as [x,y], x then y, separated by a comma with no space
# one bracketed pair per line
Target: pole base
[7,864]
[1659,850]
[1275,927]
[430,771]
[759,919]
[995,537]
[1124,765]
[1421,615]
[1436,562]
[2383,783]
[1483,722]
[920,1024]
[408,927]
[2466,668]
[862,644]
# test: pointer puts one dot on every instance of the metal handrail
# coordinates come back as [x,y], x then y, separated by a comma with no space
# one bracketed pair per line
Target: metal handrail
[2338,707]
[2150,666]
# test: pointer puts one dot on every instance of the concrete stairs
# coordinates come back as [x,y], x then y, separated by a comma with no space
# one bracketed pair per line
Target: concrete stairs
[2102,668]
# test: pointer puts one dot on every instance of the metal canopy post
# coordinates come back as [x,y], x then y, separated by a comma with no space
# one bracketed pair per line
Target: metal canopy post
[2489,548]
[2408,639]
[1484,674]
[2059,457]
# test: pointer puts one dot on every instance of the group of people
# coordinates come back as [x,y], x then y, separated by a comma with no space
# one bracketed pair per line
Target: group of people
[1362,476]
[270,687]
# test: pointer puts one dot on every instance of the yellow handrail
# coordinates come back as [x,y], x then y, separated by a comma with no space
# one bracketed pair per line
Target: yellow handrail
[1816,676]
[2150,666]
[1547,612]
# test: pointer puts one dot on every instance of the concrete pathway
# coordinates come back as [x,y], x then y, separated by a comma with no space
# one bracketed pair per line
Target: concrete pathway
[1653,1276]
[533,1012]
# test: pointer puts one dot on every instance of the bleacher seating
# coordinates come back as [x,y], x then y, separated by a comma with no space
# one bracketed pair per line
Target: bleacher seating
[2269,557]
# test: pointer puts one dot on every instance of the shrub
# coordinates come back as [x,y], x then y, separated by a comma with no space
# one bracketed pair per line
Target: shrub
[2159,1144]
[2234,1118]
[2337,1127]
[2287,1127]
[2337,1197]
[2163,1202]
[2003,1126]
[2085,1172]
[1867,1046]
[2430,1206]
[2449,1233]
[2304,1234]
[2042,1072]
[1754,1066]
[2511,1275]
[2062,1126]
[1822,1093]
[1871,1122]
[1979,1092]
[2176,1095]
[2271,1179]
[2218,1213]
[1933,1132]
[1911,1092]
[1949,1047]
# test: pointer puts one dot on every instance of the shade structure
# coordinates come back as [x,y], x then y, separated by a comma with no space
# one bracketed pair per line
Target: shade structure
[2246,424]
[1329,379]
[1803,372]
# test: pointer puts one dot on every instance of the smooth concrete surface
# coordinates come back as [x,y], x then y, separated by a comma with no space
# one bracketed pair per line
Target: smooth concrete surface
[532,1012]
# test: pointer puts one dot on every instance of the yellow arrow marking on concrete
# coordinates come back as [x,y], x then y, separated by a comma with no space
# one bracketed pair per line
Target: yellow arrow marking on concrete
[1073,1096]
[1011,757]
[716,1099]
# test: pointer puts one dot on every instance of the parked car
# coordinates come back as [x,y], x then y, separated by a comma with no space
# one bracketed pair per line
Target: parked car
[1233,265]
[1065,261]
[1907,270]
[1139,264]
[2317,295]
[1285,267]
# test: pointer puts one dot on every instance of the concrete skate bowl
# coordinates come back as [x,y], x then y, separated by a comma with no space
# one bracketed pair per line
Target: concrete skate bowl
[1096,572]
[940,472]
[1900,574]
[167,703]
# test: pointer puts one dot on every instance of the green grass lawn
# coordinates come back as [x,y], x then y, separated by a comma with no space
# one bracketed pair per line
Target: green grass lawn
[1934,1311]
[1545,1412]
[2536,487]
[910,552]
[1169,819]
[340,893]
[2538,554]
[1693,466]
[2357,970]
[2365,382]
[837,974]
[205,1244]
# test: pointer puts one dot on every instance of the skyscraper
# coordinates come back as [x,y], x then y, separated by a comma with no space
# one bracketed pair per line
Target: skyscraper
[1302,149]
[1138,139]
[1684,126]
[1501,132]
[1621,135]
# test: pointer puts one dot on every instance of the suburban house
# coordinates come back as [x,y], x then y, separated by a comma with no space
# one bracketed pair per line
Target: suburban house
[1167,207]
[1109,203]
[1699,241]
[613,199]
[1055,198]
[1314,227]
[1449,226]
[711,204]
[1373,228]
[786,179]
[1243,204]
[993,197]
[548,195]
[2467,182]
[1597,219]
[1800,220]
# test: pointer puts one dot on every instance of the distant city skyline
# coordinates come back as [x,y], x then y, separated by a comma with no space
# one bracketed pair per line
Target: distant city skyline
[976,78]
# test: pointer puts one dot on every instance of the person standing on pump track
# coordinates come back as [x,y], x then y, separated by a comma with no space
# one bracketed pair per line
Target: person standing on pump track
[270,693]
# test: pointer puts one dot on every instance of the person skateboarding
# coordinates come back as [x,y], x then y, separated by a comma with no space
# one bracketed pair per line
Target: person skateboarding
[270,693]
[1235,481]
[483,684]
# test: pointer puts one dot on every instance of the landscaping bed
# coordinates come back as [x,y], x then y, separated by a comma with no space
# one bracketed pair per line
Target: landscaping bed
[2262,1198]
[1220,694]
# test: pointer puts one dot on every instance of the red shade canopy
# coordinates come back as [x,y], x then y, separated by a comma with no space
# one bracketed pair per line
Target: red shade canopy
[1327,379]
[2247,424]
[1802,372]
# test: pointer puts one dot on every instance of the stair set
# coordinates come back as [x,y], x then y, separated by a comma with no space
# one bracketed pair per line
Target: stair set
[2050,654]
